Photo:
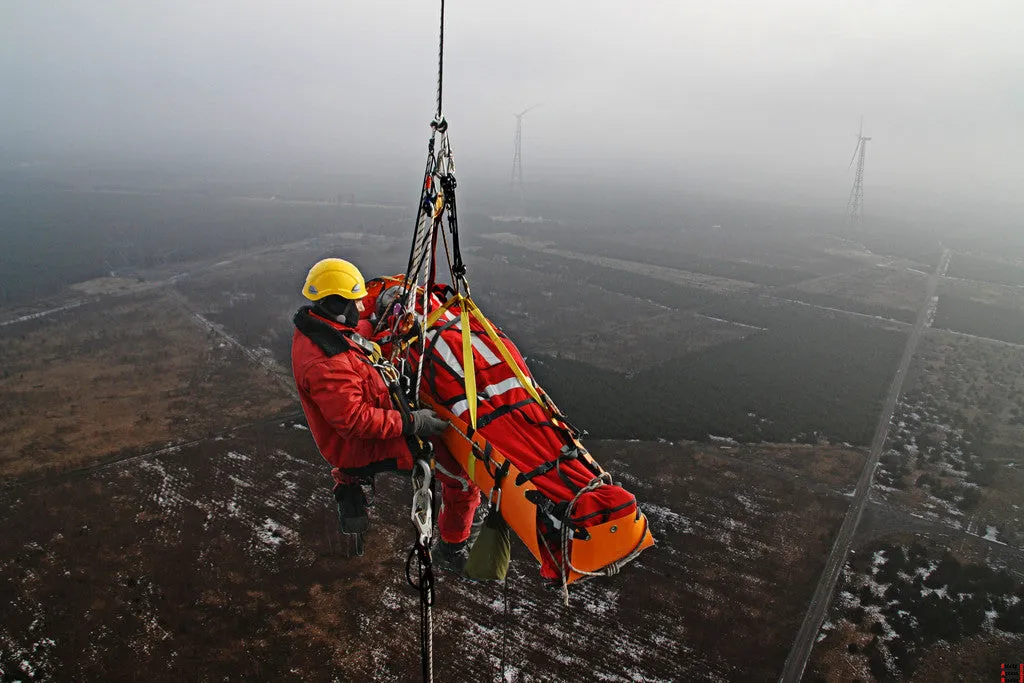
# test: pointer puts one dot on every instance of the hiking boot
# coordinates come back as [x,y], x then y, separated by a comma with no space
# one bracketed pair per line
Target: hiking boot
[451,557]
[352,516]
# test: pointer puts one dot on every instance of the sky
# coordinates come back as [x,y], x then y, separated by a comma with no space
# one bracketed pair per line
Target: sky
[760,98]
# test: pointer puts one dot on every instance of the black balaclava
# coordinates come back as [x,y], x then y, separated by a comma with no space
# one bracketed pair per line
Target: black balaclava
[339,309]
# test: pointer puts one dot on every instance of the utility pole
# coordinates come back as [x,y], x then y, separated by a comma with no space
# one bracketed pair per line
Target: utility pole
[517,164]
[855,204]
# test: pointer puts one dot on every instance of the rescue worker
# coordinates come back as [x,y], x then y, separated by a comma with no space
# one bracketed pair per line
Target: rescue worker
[351,415]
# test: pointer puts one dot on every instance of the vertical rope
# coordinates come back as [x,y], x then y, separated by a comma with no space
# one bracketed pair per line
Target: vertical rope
[504,631]
[440,64]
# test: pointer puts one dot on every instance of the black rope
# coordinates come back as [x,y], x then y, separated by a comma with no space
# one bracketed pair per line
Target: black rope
[418,251]
[504,630]
[424,583]
[448,185]
[440,63]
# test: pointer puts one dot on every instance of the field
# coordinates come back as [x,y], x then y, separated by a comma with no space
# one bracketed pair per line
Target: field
[970,267]
[934,590]
[219,560]
[51,239]
[887,291]
[117,375]
[170,518]
[913,610]
[955,452]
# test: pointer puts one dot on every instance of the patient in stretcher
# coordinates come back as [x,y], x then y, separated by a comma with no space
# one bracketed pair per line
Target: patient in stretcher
[510,411]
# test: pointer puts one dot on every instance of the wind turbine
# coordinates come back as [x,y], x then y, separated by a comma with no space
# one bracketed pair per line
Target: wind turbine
[517,160]
[855,204]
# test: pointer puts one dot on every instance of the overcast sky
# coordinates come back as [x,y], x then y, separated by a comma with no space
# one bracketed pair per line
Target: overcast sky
[762,94]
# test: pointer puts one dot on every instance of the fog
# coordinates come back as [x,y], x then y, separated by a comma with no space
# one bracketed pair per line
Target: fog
[752,99]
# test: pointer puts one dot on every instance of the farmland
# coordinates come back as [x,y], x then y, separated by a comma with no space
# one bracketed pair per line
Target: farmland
[154,458]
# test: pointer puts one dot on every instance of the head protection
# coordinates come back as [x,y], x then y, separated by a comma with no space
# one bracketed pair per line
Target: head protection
[334,276]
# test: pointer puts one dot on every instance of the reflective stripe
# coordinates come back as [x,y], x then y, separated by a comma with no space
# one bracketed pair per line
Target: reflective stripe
[490,391]
[462,480]
[485,352]
[479,344]
[448,356]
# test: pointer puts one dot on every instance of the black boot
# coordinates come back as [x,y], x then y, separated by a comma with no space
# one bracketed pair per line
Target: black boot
[451,557]
[352,516]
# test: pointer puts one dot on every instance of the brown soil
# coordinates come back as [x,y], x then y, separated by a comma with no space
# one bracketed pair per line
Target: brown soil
[119,375]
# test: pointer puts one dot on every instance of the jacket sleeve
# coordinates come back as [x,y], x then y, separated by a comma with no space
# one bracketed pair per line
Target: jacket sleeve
[337,389]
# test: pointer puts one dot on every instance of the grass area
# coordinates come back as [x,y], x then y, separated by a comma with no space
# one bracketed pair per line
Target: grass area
[844,303]
[971,267]
[671,294]
[834,466]
[919,247]
[889,292]
[119,375]
[984,320]
[682,259]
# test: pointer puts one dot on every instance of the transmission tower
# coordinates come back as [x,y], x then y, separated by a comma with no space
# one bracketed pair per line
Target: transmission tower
[855,204]
[517,163]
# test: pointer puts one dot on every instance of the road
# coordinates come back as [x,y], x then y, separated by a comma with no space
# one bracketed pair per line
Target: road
[800,653]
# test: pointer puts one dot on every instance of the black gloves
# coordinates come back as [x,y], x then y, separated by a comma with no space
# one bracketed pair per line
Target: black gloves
[425,422]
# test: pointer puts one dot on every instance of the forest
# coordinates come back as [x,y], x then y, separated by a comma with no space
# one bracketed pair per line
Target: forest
[971,267]
[683,260]
[909,600]
[52,238]
[846,304]
[977,318]
[809,376]
[669,294]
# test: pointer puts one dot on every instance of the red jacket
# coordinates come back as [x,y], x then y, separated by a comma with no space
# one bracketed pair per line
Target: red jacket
[346,402]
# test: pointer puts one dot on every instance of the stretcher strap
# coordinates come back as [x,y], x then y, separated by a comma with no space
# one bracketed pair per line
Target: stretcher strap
[468,366]
[503,350]
[436,314]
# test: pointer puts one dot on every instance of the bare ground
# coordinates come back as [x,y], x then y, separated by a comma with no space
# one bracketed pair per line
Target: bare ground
[220,561]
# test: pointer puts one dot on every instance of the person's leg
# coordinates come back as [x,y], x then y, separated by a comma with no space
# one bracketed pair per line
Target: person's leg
[460,497]
[352,515]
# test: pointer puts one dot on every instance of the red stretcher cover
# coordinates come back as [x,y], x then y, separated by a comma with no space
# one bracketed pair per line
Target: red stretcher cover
[534,436]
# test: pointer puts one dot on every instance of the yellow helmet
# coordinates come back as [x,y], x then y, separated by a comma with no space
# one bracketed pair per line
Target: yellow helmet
[334,276]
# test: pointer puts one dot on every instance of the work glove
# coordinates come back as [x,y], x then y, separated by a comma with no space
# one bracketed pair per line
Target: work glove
[425,422]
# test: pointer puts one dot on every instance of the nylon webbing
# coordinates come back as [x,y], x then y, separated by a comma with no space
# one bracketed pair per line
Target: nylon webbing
[503,350]
[468,366]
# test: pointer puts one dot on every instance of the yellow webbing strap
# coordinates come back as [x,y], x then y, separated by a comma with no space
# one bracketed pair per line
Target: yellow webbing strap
[503,350]
[468,367]
[436,314]
[468,307]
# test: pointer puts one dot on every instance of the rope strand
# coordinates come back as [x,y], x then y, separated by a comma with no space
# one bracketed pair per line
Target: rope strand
[440,64]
